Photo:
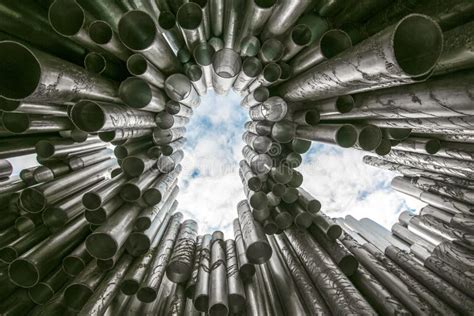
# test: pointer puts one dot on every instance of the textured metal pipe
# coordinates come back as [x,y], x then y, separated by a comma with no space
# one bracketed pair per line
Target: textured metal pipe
[306,247]
[251,68]
[137,271]
[176,108]
[102,34]
[35,199]
[261,144]
[343,135]
[246,269]
[136,165]
[231,22]
[180,264]
[216,10]
[31,267]
[273,109]
[259,163]
[129,149]
[146,218]
[167,164]
[151,283]
[270,74]
[140,95]
[218,297]
[226,65]
[271,51]
[400,47]
[92,116]
[369,136]
[157,190]
[180,89]
[120,135]
[198,79]
[330,44]
[284,16]
[133,26]
[257,248]
[107,240]
[163,137]
[38,69]
[205,16]
[53,170]
[255,97]
[203,55]
[261,128]
[140,67]
[331,229]
[133,190]
[256,15]
[190,20]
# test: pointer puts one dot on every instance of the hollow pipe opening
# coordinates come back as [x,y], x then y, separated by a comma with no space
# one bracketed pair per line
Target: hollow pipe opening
[41,293]
[369,137]
[417,52]
[334,42]
[137,65]
[272,72]
[9,105]
[252,67]
[32,200]
[135,92]
[189,16]
[178,87]
[272,50]
[95,63]
[432,146]
[301,35]
[100,32]
[227,63]
[261,94]
[167,20]
[218,309]
[346,136]
[66,17]
[23,273]
[130,192]
[21,71]
[137,30]
[88,116]
[194,73]
[16,122]
[203,54]
[101,245]
[344,104]
[264,4]
[73,265]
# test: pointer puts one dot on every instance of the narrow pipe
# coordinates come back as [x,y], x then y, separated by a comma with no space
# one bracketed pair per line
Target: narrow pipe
[122,134]
[262,128]
[136,165]
[42,292]
[270,74]
[102,65]
[77,260]
[232,14]
[235,287]
[271,51]
[256,15]
[32,108]
[251,68]
[140,95]
[132,26]
[203,55]
[102,34]
[330,44]
[226,65]
[218,298]
[140,67]
[192,281]
[61,148]
[95,199]
[198,79]
[19,246]
[255,97]
[369,136]
[258,250]
[249,46]
[133,190]
[206,19]
[129,149]
[297,39]
[179,88]
[259,163]
[342,135]
[147,216]
[201,293]
[171,33]
[246,269]
[190,20]
[273,109]
[284,16]
[157,190]
[167,164]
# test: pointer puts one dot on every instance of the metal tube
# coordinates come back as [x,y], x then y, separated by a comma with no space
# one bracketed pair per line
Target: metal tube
[176,108]
[103,65]
[205,16]
[132,28]
[192,281]
[133,189]
[226,65]
[261,144]
[231,22]
[344,135]
[180,264]
[419,145]
[201,293]
[19,246]
[284,16]
[35,199]
[327,225]
[235,287]
[163,183]
[369,136]
[270,74]
[190,20]
[31,267]
[399,46]
[203,55]
[330,44]
[218,297]
[121,134]
[271,51]
[95,199]
[140,67]
[140,95]
[88,159]
[92,116]
[257,248]
[255,97]
[77,260]
[305,117]
[42,292]
[259,163]
[38,69]
[261,128]
[198,79]
[107,240]
[171,33]
[253,182]
[146,218]
[150,285]
[164,137]
[167,164]
[256,15]
[137,271]
[60,148]
[251,68]
[102,34]
[297,39]
[246,269]
[133,148]
[32,108]
[136,165]
[249,47]
[273,109]
[180,89]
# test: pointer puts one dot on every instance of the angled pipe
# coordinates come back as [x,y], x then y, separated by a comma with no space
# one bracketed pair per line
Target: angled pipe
[270,74]
[271,51]
[198,79]
[140,95]
[179,88]
[190,20]
[140,67]
[249,46]
[251,68]
[102,34]
[32,108]
[343,135]
[298,38]
[171,33]
[226,65]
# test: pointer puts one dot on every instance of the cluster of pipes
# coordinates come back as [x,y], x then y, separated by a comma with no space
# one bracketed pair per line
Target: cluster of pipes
[101,92]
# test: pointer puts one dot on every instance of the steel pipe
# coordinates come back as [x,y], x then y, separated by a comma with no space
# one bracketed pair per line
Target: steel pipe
[29,70]
[146,217]
[180,264]
[257,248]
[190,20]
[132,28]
[251,68]
[284,16]
[102,65]
[95,199]
[42,292]
[180,89]
[203,55]
[170,31]
[136,165]
[271,51]
[32,108]
[77,260]
[399,46]
[192,281]
[342,135]
[256,15]
[206,19]
[273,109]
[255,97]
[140,67]
[198,79]
[297,39]
[140,95]
[259,163]
[249,46]
[226,65]
[102,34]
[218,297]
[270,74]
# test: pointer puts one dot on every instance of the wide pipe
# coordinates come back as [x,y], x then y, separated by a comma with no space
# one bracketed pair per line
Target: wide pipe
[132,26]
[140,67]
[272,50]
[190,20]
[270,74]
[92,116]
[29,70]
[404,51]
[273,109]
[226,65]
[257,248]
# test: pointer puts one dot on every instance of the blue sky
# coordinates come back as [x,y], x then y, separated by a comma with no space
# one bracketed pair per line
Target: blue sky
[210,186]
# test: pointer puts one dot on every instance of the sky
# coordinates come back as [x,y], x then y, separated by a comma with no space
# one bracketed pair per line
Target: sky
[210,186]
